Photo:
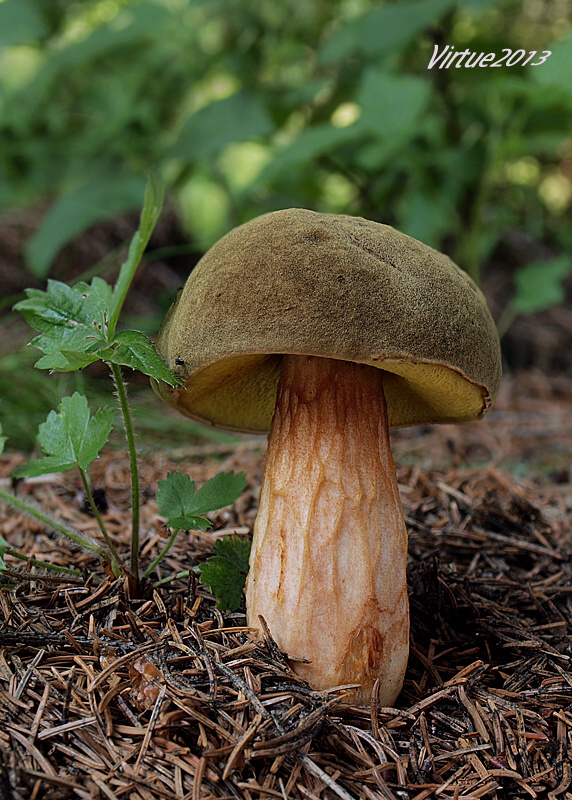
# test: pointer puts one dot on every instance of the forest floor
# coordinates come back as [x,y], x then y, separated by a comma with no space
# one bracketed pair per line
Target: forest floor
[107,696]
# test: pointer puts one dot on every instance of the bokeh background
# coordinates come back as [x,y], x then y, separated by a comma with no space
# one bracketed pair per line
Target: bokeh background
[249,107]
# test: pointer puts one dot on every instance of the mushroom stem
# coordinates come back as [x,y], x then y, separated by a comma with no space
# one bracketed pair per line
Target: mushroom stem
[328,560]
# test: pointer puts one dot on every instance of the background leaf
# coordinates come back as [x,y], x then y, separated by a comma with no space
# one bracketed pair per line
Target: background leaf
[238,118]
[311,144]
[381,30]
[539,284]
[145,21]
[99,198]
[392,105]
[555,71]
[20,22]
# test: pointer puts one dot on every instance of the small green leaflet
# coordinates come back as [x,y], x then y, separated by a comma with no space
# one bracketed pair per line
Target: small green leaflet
[70,319]
[225,572]
[2,440]
[133,349]
[70,438]
[178,501]
[220,491]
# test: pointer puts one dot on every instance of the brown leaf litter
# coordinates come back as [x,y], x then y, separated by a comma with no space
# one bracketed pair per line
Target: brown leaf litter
[107,697]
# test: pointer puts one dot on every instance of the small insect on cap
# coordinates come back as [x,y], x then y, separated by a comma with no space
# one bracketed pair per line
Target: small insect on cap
[303,283]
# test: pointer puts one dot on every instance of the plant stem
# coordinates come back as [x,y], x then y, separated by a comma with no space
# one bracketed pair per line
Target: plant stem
[184,574]
[112,549]
[43,564]
[162,554]
[506,319]
[468,252]
[128,422]
[150,214]
[50,522]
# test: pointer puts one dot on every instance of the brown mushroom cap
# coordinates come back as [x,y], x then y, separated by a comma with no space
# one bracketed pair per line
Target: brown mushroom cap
[335,286]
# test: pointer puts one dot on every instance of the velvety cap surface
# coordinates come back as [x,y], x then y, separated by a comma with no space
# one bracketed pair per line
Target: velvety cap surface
[336,286]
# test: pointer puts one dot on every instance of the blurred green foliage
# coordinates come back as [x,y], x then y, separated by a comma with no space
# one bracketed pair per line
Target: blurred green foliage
[249,107]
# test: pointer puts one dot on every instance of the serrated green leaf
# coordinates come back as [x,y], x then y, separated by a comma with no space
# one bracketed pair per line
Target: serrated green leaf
[175,496]
[220,491]
[71,437]
[42,466]
[71,320]
[225,572]
[181,505]
[67,306]
[75,360]
[235,549]
[134,349]
[188,523]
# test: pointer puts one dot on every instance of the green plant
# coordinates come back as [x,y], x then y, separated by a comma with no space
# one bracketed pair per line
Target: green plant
[225,572]
[538,286]
[78,325]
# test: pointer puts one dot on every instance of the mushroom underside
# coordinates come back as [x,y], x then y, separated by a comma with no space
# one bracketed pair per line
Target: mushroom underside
[238,392]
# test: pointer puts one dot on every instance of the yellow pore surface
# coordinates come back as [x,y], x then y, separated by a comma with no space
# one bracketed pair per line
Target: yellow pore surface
[239,393]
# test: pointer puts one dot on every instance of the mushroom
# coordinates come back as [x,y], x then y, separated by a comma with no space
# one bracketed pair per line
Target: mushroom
[327,330]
